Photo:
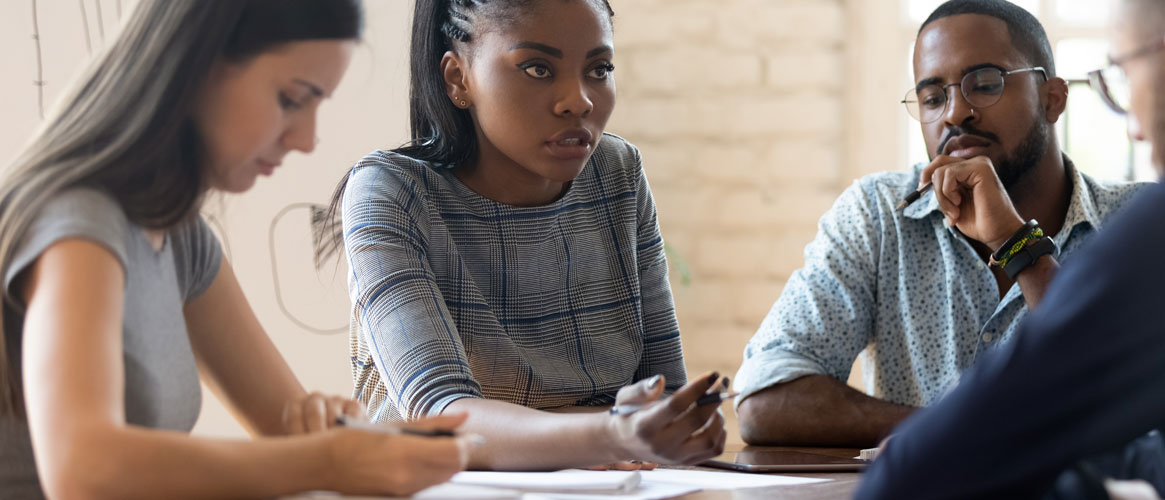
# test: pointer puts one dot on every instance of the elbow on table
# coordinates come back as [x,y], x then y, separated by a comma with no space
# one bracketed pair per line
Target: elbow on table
[759,426]
[785,414]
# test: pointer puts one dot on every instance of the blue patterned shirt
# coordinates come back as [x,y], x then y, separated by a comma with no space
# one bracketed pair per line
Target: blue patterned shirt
[455,295]
[904,285]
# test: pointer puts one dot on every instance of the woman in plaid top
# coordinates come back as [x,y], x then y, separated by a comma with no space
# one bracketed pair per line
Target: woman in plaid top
[507,263]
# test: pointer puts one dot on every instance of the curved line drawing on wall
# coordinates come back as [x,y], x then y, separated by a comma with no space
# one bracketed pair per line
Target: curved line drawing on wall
[39,80]
[99,23]
[85,24]
[312,209]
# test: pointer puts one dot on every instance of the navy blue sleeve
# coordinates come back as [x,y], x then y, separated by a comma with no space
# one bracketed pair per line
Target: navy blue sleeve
[1084,374]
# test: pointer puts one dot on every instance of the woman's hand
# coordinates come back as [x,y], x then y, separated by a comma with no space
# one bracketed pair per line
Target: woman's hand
[375,463]
[317,412]
[670,430]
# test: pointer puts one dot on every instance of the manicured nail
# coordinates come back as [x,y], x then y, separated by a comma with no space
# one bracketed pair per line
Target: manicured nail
[714,377]
[654,382]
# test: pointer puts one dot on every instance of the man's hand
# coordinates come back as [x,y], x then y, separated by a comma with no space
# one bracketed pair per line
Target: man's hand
[973,199]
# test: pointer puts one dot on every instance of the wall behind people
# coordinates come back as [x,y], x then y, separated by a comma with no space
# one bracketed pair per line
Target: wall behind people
[737,106]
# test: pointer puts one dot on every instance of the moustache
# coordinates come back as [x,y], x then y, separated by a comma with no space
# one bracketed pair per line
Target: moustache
[954,132]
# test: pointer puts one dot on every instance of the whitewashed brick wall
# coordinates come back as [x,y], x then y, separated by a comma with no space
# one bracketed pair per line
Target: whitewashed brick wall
[737,107]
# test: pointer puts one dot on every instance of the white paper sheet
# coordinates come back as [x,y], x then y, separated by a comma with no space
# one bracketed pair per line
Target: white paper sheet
[563,481]
[709,480]
[445,491]
[587,485]
[645,491]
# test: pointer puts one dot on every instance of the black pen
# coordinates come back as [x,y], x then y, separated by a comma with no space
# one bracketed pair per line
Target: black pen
[707,399]
[913,197]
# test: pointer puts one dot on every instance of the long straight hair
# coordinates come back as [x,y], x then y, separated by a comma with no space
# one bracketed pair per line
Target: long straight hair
[125,125]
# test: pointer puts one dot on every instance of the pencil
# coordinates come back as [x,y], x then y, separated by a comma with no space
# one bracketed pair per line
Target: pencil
[913,197]
[707,399]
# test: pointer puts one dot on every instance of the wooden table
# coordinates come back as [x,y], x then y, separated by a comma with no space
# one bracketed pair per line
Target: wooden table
[842,484]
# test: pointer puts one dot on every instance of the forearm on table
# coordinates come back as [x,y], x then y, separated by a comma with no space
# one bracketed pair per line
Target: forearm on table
[817,410]
[134,462]
[520,438]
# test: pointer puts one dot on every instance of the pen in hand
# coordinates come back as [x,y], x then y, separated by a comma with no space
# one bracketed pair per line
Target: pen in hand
[346,421]
[913,197]
[707,399]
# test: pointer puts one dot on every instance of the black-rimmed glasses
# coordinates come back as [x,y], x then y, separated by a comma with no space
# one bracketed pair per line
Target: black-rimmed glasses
[981,88]
[1111,82]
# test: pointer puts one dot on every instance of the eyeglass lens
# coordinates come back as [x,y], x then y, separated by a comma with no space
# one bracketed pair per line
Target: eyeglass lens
[981,88]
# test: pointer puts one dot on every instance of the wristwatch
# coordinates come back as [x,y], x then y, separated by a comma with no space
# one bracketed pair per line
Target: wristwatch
[1028,256]
[1023,249]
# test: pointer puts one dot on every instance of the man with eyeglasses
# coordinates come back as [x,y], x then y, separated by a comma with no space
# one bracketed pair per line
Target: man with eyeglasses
[1076,402]
[930,288]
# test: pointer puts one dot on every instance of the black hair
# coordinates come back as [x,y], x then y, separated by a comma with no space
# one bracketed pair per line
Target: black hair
[441,134]
[1027,34]
[143,147]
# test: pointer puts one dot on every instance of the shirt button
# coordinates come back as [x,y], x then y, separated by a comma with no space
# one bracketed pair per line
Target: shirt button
[987,337]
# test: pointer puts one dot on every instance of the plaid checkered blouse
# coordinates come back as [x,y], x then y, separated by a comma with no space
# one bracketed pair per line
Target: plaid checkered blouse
[455,295]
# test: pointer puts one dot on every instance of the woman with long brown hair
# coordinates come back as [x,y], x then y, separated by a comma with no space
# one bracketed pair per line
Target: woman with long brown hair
[117,297]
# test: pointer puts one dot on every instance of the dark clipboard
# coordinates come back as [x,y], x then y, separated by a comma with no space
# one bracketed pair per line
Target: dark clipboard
[784,461]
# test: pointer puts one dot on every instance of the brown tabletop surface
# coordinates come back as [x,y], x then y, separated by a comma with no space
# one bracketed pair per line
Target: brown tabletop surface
[842,485]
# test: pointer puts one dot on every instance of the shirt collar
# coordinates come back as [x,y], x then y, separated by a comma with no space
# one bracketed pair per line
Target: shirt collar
[1082,207]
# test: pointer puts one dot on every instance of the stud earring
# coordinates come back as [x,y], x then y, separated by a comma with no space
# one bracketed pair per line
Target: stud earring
[463,103]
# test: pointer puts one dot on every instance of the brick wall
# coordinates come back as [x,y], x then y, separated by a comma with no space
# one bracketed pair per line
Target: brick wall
[737,107]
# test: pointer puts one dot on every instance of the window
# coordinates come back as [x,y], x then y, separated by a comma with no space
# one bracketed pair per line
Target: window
[1092,135]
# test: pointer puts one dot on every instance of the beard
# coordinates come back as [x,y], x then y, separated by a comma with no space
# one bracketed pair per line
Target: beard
[1012,168]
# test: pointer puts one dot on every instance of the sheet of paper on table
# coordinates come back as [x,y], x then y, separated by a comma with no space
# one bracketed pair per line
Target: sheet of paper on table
[708,480]
[587,485]
[449,491]
[446,491]
[563,481]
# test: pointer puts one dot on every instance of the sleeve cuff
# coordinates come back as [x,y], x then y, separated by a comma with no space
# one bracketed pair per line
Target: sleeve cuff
[769,368]
[440,405]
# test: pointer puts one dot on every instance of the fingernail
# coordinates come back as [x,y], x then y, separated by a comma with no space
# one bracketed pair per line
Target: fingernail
[654,382]
[727,383]
[714,377]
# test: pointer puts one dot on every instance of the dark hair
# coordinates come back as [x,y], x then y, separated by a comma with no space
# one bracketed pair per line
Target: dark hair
[441,134]
[125,126]
[1027,34]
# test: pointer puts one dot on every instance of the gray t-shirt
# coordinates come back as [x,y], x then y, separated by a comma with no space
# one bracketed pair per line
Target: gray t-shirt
[161,379]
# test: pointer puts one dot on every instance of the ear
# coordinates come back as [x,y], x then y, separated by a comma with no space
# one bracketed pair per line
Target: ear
[1054,99]
[456,74]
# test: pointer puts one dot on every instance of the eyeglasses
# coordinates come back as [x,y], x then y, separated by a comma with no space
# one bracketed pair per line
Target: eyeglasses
[981,88]
[1111,82]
